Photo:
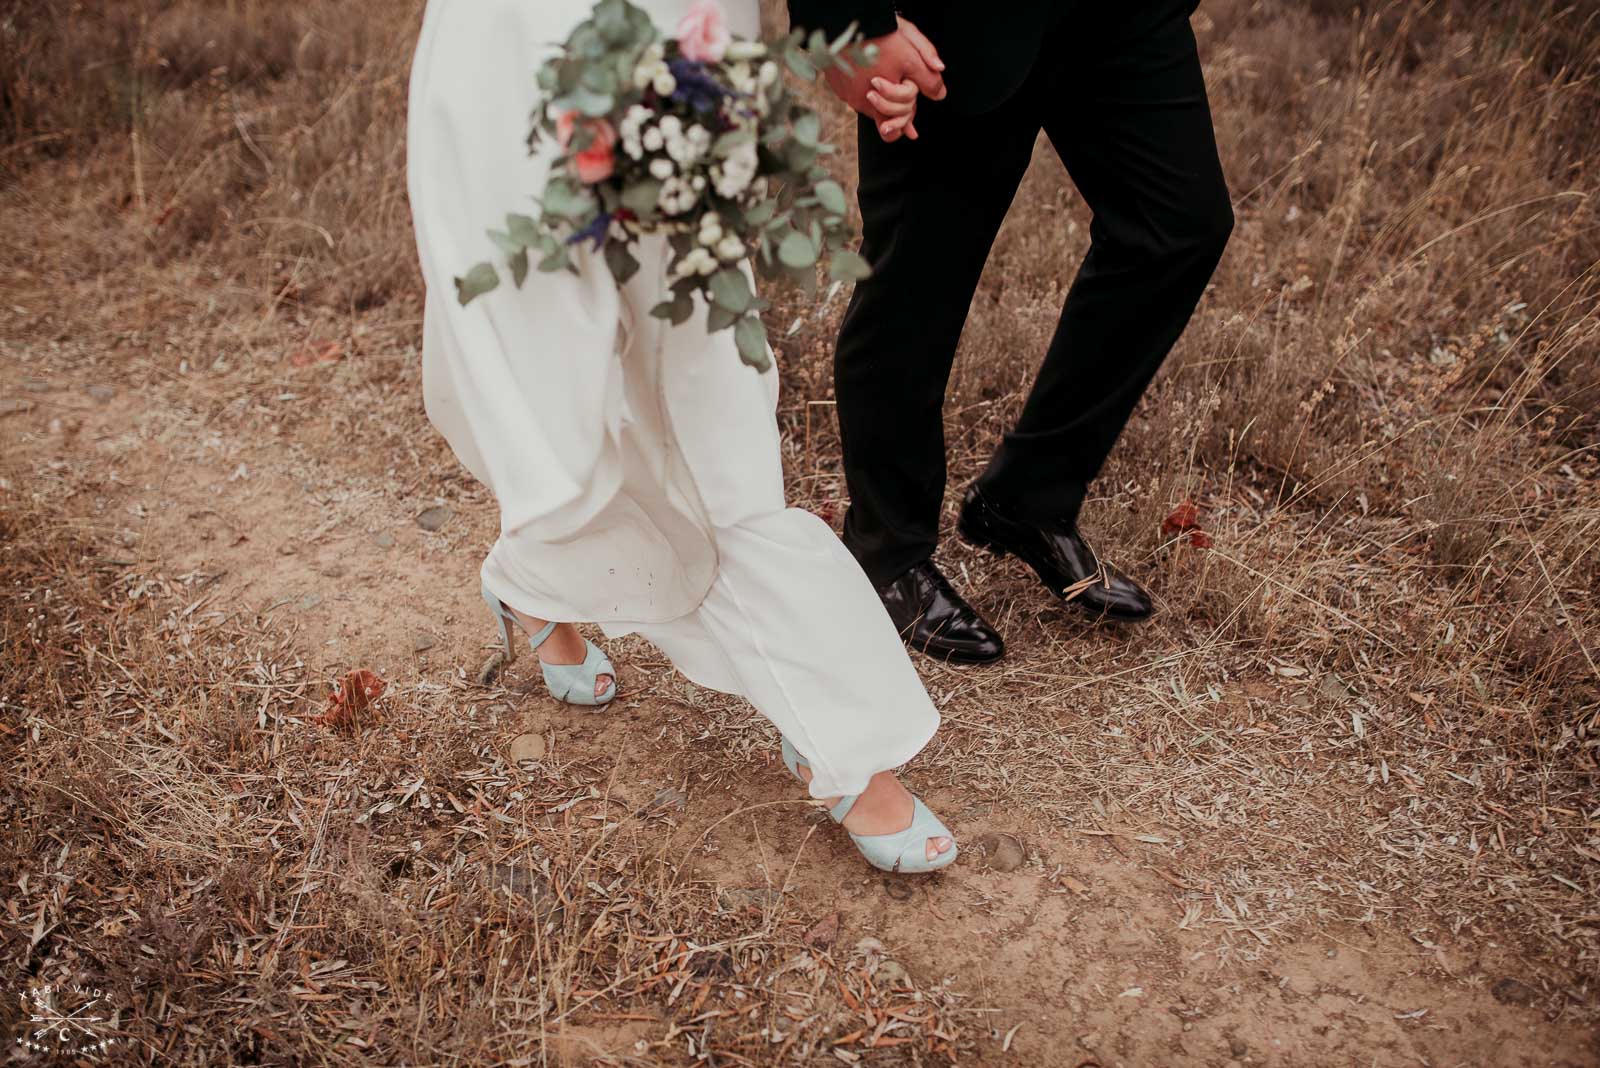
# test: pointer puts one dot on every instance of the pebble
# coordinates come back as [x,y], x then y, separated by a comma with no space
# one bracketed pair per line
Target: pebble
[383,540]
[1001,852]
[824,932]
[1238,1047]
[527,747]
[897,888]
[310,601]
[434,518]
[103,394]
[421,643]
[669,798]
[15,406]
[1333,687]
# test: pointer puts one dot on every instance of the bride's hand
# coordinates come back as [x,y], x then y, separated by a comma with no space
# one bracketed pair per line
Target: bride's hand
[897,106]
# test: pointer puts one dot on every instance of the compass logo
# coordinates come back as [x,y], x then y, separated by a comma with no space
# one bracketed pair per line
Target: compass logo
[69,1020]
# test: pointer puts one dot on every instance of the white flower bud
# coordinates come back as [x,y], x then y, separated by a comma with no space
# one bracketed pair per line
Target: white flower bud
[769,73]
[652,140]
[661,169]
[664,83]
[730,248]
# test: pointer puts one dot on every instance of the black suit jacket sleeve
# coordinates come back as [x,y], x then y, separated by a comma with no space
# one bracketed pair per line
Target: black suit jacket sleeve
[874,17]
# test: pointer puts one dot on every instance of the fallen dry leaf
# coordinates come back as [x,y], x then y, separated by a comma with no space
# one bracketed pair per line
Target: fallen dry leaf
[1184,524]
[350,703]
[824,932]
[317,350]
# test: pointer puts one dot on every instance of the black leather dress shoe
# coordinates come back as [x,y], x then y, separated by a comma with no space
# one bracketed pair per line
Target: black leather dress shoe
[935,620]
[1062,559]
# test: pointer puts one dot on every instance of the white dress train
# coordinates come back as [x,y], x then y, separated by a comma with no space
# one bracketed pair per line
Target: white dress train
[636,464]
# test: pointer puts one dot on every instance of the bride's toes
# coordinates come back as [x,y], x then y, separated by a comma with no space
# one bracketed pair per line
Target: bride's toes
[938,847]
[602,683]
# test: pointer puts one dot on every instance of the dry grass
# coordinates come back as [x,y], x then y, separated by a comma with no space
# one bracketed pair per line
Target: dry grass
[1372,706]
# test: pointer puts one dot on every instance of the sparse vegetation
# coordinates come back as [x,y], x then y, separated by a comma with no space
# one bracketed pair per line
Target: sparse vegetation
[1367,716]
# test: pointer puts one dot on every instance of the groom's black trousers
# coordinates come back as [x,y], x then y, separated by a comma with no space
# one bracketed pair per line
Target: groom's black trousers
[1125,107]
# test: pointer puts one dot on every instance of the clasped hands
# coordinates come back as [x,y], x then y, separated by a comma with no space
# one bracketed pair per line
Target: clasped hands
[907,66]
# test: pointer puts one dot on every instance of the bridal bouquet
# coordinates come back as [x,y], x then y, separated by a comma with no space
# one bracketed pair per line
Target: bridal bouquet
[696,137]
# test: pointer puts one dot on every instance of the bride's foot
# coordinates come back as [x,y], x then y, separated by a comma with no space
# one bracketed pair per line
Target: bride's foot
[885,807]
[564,646]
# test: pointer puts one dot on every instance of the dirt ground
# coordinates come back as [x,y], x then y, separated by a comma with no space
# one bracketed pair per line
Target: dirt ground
[1079,954]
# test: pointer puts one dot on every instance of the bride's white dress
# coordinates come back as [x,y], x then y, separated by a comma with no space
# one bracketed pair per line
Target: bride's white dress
[637,465]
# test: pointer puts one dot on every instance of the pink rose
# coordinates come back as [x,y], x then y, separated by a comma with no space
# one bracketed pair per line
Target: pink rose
[597,162]
[703,34]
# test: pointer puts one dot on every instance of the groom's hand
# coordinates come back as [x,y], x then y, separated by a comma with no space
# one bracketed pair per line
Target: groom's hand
[903,56]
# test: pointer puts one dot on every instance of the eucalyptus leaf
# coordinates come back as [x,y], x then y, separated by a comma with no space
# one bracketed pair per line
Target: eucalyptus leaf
[556,259]
[720,318]
[642,197]
[587,102]
[519,267]
[524,231]
[800,63]
[677,310]
[751,336]
[807,128]
[761,212]
[830,195]
[505,243]
[621,261]
[847,266]
[481,279]
[797,251]
[730,290]
[565,200]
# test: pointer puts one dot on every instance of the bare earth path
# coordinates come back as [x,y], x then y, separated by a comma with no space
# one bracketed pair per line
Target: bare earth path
[1090,950]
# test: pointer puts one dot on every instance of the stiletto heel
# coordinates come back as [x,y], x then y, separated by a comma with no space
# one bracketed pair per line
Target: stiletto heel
[901,851]
[572,683]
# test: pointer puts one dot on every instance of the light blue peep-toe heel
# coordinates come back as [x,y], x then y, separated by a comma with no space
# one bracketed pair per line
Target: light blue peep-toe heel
[572,683]
[903,851]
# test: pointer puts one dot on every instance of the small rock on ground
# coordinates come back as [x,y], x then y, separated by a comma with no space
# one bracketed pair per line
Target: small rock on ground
[1001,852]
[527,747]
[434,518]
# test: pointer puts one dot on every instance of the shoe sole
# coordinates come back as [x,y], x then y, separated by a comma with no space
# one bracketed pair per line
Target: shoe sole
[962,659]
[978,541]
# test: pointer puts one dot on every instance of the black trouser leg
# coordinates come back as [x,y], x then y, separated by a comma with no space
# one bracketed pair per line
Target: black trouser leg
[930,210]
[1134,129]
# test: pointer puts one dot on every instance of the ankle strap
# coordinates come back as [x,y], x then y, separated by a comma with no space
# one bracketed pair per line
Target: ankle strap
[842,809]
[536,640]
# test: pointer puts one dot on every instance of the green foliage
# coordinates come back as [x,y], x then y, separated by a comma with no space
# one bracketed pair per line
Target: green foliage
[753,190]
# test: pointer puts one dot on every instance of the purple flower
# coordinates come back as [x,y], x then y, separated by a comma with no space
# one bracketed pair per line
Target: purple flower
[696,87]
[596,231]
